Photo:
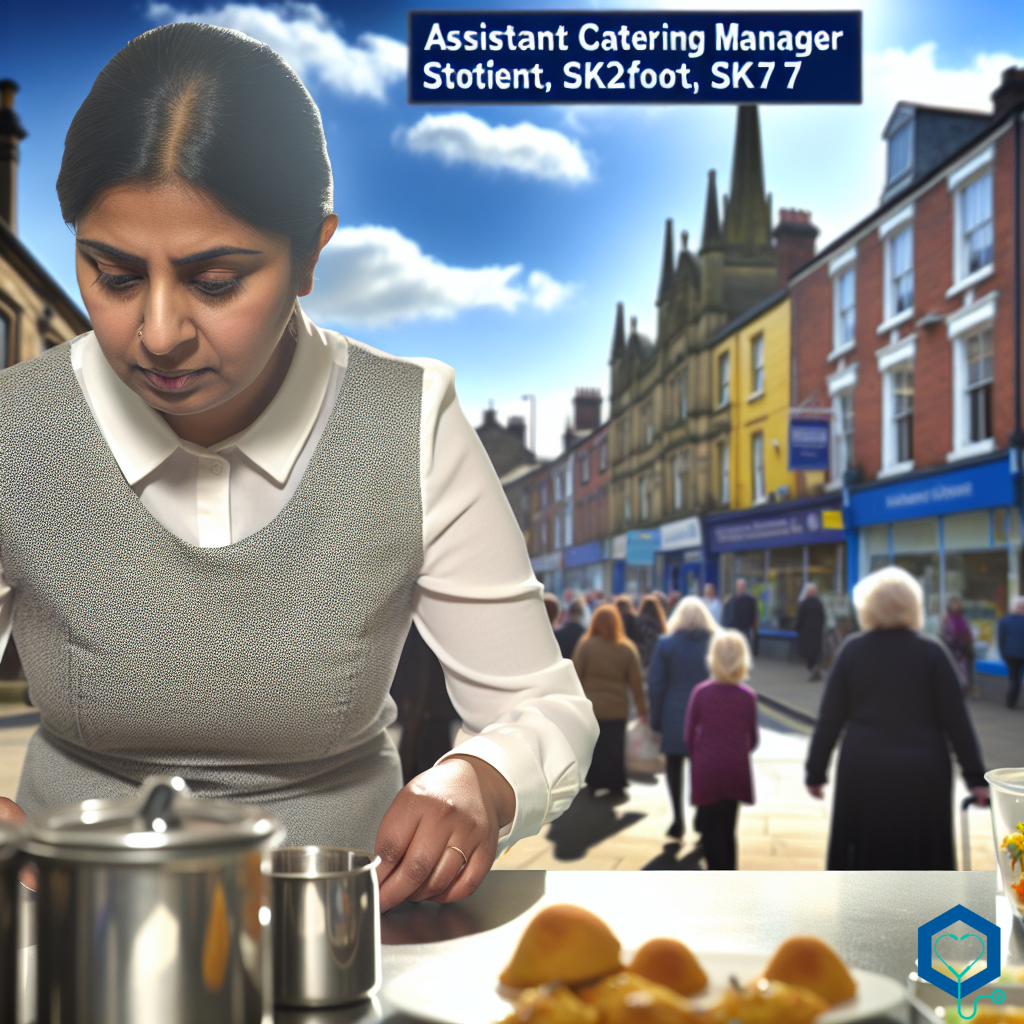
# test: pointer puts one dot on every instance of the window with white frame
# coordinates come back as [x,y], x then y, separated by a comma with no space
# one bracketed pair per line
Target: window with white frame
[900,251]
[842,433]
[584,460]
[544,494]
[557,483]
[680,479]
[649,424]
[645,499]
[723,379]
[723,473]
[543,535]
[901,406]
[567,531]
[978,352]
[901,151]
[684,394]
[627,502]
[558,532]
[757,465]
[976,239]
[602,459]
[757,365]
[844,300]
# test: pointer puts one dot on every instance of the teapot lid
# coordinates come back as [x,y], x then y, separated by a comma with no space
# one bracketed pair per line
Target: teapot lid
[164,823]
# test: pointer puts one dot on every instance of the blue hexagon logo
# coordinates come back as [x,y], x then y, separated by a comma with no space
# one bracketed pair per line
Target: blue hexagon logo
[981,938]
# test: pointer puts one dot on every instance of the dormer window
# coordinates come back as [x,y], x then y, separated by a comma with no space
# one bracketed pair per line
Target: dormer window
[901,150]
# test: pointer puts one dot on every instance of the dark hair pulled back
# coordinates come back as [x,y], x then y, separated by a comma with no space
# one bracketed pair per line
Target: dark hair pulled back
[211,107]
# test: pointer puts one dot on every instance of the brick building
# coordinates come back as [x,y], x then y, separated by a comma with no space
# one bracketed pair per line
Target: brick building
[905,326]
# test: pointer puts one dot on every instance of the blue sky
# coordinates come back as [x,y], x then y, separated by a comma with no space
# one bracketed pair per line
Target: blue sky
[498,239]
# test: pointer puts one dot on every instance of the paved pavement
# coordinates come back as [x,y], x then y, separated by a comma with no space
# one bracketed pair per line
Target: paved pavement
[784,830]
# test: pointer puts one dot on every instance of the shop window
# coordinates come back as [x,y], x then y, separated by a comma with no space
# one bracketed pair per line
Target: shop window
[684,394]
[602,459]
[900,253]
[974,244]
[757,466]
[724,491]
[757,365]
[915,545]
[645,499]
[844,302]
[584,461]
[979,579]
[842,433]
[785,581]
[723,380]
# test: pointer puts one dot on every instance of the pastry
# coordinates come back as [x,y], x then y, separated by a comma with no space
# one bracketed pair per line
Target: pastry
[768,1002]
[628,998]
[551,1004]
[670,963]
[563,943]
[807,961]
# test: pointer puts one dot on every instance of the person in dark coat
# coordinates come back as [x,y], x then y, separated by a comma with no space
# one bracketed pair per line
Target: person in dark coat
[1011,648]
[679,663]
[896,693]
[627,612]
[650,627]
[720,732]
[740,613]
[569,633]
[810,628]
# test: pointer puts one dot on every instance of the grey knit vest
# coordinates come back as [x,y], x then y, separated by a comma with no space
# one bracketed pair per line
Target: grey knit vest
[246,668]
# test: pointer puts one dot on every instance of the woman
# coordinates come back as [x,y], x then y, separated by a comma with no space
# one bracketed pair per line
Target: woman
[720,732]
[627,612]
[810,629]
[895,692]
[607,664]
[957,635]
[214,558]
[678,665]
[650,627]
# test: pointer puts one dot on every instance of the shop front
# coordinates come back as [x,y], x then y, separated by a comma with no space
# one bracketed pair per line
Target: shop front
[680,563]
[588,567]
[778,549]
[957,531]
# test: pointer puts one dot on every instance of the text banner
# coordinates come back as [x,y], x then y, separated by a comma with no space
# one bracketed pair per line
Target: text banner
[460,57]
[808,443]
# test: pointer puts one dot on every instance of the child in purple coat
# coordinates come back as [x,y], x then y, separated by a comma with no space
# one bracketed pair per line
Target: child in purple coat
[720,732]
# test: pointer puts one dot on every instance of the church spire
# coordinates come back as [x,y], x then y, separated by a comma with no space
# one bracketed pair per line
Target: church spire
[712,236]
[619,334]
[748,213]
[668,263]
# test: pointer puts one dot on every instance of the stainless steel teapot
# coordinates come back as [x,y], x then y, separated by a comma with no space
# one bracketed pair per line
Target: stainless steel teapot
[154,910]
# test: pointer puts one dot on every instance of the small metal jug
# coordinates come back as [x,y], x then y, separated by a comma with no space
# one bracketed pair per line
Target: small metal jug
[153,910]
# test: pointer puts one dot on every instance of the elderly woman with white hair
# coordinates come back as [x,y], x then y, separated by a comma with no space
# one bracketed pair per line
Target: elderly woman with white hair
[678,664]
[896,693]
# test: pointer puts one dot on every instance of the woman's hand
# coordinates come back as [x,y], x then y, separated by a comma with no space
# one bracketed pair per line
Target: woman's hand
[11,813]
[818,792]
[462,802]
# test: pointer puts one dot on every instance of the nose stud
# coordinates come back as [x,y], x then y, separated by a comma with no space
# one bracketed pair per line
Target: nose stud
[140,327]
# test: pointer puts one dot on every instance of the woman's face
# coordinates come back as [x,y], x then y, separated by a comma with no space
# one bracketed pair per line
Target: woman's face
[211,294]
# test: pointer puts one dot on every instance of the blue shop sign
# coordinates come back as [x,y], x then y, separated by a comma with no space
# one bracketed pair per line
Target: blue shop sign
[774,530]
[808,443]
[987,485]
[585,554]
[641,546]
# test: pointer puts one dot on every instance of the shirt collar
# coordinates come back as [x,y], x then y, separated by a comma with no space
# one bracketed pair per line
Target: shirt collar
[140,439]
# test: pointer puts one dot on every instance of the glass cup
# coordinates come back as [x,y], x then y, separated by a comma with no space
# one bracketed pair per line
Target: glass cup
[1006,793]
[326,924]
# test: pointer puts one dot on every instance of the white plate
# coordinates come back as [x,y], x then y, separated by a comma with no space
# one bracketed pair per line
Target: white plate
[463,989]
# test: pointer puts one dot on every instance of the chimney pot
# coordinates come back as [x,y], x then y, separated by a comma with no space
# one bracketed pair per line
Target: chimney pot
[1010,93]
[794,242]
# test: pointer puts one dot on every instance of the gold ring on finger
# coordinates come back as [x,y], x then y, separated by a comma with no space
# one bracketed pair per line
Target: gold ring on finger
[465,859]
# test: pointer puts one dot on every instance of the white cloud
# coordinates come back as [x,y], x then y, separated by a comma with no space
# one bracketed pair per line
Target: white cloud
[302,34]
[524,149]
[375,275]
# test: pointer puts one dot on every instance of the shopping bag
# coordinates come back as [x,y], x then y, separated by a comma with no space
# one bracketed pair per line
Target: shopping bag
[643,749]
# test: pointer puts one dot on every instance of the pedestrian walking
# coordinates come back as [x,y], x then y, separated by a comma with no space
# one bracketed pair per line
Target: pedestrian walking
[553,607]
[608,665]
[720,732]
[741,613]
[714,604]
[1011,648]
[569,633]
[810,629]
[627,612]
[956,634]
[896,693]
[650,627]
[679,663]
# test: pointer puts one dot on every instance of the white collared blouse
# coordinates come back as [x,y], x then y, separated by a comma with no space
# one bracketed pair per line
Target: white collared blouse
[477,603]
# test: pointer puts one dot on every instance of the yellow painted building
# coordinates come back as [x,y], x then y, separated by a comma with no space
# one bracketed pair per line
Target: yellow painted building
[752,376]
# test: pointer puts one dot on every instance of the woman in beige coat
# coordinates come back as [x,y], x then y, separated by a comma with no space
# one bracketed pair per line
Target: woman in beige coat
[607,663]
